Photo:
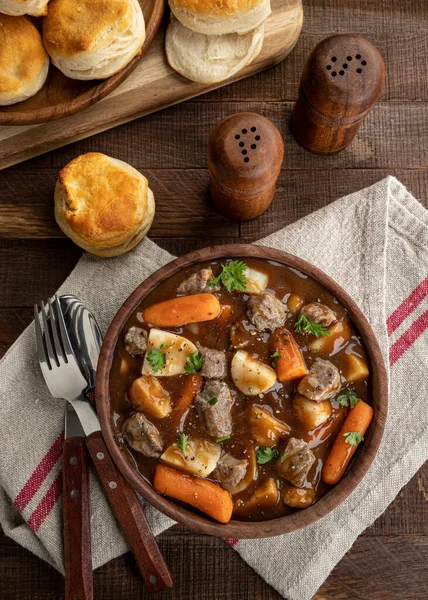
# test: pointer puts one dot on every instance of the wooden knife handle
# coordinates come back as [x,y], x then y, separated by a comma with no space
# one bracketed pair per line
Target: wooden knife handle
[77,526]
[130,515]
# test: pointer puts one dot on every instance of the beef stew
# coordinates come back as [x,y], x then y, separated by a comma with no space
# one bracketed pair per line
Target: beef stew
[244,384]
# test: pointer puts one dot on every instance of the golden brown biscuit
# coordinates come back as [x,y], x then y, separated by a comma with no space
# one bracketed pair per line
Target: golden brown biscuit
[93,39]
[217,17]
[36,8]
[103,204]
[24,63]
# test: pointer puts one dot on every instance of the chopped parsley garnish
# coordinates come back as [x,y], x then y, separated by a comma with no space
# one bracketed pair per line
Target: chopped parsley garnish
[348,398]
[264,455]
[157,359]
[182,442]
[276,354]
[223,439]
[303,324]
[164,346]
[353,438]
[232,276]
[194,363]
[213,400]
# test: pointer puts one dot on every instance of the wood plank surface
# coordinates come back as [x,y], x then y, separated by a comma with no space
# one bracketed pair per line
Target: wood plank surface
[389,561]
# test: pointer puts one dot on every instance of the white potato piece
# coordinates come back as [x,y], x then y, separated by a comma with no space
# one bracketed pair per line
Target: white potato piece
[340,333]
[256,282]
[311,413]
[265,428]
[356,368]
[147,395]
[251,376]
[200,457]
[176,349]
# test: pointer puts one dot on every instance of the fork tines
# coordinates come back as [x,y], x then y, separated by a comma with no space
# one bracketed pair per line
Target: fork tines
[53,344]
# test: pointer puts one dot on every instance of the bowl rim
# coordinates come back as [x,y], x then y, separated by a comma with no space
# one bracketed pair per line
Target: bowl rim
[94,94]
[245,529]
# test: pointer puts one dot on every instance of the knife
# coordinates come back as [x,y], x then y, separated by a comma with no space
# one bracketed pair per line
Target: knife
[77,525]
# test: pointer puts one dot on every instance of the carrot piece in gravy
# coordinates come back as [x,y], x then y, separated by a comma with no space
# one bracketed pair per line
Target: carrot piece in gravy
[203,494]
[356,423]
[183,310]
[191,386]
[286,356]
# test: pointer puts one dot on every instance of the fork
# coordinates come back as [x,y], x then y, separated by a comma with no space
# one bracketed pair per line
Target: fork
[65,380]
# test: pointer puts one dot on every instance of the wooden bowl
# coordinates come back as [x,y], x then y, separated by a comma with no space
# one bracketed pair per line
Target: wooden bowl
[241,529]
[62,96]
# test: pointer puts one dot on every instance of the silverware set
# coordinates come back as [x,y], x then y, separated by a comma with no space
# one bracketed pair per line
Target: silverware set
[68,344]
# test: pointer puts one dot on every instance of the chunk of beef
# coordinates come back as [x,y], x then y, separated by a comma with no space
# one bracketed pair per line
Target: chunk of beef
[142,435]
[319,313]
[136,341]
[321,383]
[265,311]
[296,461]
[197,283]
[214,365]
[230,471]
[214,405]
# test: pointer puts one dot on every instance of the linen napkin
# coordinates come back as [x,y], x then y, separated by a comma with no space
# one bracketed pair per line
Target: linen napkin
[375,244]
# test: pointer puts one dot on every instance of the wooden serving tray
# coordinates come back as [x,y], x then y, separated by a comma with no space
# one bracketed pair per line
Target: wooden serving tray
[153,85]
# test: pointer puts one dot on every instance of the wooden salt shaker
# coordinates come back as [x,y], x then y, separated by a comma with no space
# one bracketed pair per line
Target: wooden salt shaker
[245,154]
[342,79]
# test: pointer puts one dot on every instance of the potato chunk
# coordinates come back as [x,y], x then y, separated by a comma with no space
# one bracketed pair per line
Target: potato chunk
[356,368]
[264,497]
[175,348]
[298,497]
[200,457]
[295,303]
[251,376]
[265,429]
[340,333]
[311,413]
[256,282]
[147,394]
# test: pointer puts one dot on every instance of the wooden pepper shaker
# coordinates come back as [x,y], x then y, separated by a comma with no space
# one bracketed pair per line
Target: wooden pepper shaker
[245,154]
[342,79]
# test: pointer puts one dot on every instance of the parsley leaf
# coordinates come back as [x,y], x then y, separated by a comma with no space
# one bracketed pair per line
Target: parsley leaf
[213,400]
[303,324]
[353,438]
[194,363]
[182,442]
[157,359]
[232,276]
[348,398]
[223,439]
[276,354]
[264,455]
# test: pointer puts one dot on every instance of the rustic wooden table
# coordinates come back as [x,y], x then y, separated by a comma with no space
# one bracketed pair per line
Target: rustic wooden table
[389,561]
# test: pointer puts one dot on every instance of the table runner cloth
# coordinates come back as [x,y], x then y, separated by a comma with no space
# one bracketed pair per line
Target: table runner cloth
[375,244]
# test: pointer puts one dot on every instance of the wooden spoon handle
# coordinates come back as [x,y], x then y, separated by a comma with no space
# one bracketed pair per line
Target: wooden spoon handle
[77,526]
[130,515]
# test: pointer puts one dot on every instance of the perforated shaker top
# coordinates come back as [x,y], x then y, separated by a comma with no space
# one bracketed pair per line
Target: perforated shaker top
[343,76]
[245,152]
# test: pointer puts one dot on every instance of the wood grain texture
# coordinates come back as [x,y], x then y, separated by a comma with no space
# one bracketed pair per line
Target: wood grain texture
[61,96]
[388,562]
[149,88]
[131,517]
[77,520]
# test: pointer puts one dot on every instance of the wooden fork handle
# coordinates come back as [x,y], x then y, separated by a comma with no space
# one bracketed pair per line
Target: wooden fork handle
[130,515]
[77,526]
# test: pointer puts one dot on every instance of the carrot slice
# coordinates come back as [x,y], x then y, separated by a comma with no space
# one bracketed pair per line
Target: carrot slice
[203,494]
[183,310]
[358,419]
[286,355]
[191,386]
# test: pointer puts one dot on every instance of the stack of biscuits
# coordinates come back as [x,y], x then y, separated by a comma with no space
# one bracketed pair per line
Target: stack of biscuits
[85,39]
[208,41]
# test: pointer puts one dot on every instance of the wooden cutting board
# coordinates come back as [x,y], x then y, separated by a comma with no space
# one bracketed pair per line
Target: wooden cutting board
[152,86]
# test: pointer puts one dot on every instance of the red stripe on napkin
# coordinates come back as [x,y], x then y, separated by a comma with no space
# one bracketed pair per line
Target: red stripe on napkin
[403,343]
[408,306]
[46,504]
[39,475]
[231,541]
